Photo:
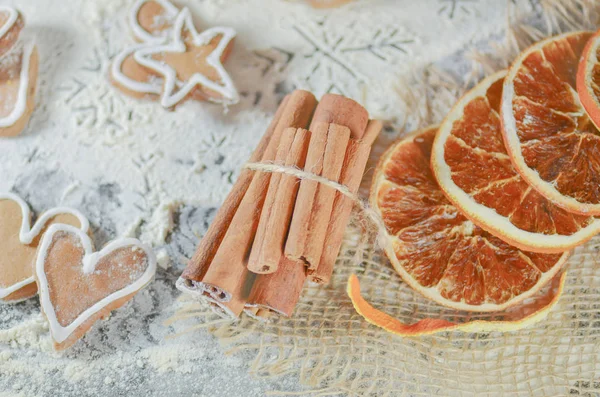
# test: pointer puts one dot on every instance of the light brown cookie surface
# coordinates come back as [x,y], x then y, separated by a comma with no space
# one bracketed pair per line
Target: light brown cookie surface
[174,62]
[17,83]
[151,19]
[19,243]
[18,74]
[11,24]
[194,60]
[136,81]
[79,286]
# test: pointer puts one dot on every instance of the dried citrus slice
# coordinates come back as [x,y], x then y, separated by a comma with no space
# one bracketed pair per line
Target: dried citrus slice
[436,249]
[588,79]
[548,135]
[514,318]
[472,167]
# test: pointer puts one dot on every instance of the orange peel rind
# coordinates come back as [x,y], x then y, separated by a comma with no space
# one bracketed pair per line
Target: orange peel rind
[588,79]
[513,319]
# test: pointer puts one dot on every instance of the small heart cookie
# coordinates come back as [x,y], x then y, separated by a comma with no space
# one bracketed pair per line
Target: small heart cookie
[19,242]
[78,286]
[18,74]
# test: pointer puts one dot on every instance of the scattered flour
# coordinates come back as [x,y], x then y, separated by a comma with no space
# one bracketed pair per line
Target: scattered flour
[132,229]
[161,223]
[163,258]
[135,169]
[31,333]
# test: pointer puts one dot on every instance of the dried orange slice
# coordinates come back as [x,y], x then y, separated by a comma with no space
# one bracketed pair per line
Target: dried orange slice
[436,249]
[472,167]
[588,79]
[548,135]
[511,319]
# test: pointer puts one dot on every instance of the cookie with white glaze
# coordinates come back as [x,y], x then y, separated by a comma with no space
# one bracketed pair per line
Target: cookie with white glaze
[18,74]
[173,62]
[78,286]
[19,240]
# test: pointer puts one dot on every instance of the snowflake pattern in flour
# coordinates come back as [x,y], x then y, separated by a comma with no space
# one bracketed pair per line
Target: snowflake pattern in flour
[95,105]
[337,61]
[451,8]
[144,158]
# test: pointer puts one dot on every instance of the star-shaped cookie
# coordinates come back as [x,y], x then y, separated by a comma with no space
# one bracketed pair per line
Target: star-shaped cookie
[192,60]
[174,61]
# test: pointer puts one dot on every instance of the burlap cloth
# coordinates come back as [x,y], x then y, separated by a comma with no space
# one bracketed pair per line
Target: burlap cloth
[334,351]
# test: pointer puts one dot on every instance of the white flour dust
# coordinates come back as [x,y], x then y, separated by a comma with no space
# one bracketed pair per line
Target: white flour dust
[136,169]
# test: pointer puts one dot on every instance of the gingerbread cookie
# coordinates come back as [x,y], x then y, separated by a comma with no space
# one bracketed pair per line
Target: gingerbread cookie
[151,20]
[18,74]
[174,62]
[19,242]
[78,286]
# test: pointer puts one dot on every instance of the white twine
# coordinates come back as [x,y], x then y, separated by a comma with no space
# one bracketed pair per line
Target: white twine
[382,235]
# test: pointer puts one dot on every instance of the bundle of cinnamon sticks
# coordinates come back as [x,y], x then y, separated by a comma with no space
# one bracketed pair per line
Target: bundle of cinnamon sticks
[275,230]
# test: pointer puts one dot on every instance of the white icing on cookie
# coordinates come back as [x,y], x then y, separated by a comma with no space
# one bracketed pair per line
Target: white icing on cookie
[116,71]
[90,260]
[174,90]
[21,102]
[12,14]
[27,233]
[142,34]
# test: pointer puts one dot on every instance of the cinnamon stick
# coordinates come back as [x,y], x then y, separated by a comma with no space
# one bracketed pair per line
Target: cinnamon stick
[314,204]
[298,233]
[227,276]
[198,265]
[355,162]
[278,292]
[337,109]
[234,307]
[267,249]
[307,232]
[258,313]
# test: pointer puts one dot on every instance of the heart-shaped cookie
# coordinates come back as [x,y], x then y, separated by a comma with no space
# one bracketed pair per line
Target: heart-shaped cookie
[19,242]
[78,286]
[18,74]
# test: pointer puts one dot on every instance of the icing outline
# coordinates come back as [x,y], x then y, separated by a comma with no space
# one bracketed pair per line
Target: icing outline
[21,103]
[89,261]
[13,15]
[142,34]
[27,233]
[170,97]
[117,73]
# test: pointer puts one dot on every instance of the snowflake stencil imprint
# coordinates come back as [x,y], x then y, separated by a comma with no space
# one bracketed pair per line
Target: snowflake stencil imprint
[451,8]
[343,62]
[95,105]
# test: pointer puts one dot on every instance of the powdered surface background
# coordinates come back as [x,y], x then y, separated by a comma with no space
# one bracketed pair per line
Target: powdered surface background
[136,169]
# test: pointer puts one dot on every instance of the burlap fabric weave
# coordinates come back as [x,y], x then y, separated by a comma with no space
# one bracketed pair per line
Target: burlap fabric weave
[333,351]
